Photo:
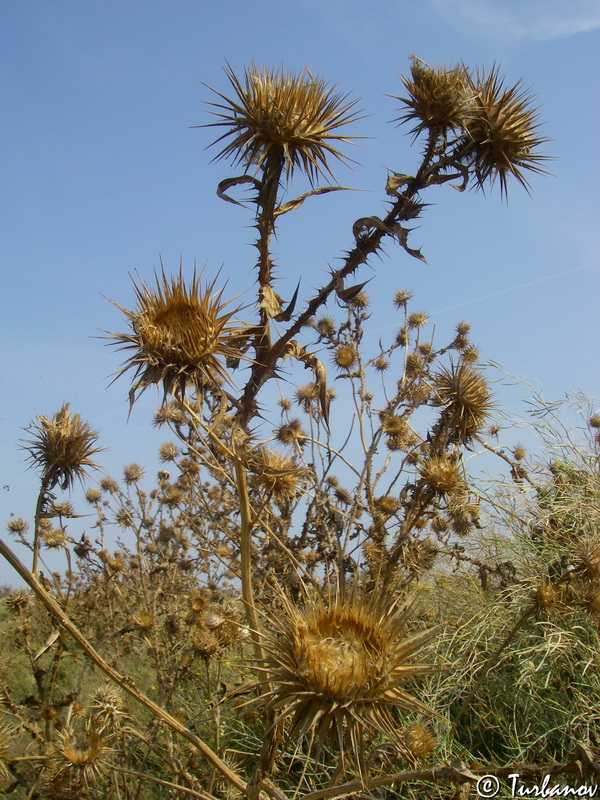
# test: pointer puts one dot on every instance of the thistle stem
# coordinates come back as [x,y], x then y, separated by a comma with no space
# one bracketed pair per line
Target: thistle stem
[246,556]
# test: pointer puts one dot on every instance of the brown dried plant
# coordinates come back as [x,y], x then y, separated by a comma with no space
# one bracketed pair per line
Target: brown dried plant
[255,514]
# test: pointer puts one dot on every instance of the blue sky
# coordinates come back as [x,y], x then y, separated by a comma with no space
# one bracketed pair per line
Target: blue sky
[103,173]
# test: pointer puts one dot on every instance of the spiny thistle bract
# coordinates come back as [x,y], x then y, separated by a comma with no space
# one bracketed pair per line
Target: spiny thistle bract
[179,335]
[336,669]
[287,120]
[63,446]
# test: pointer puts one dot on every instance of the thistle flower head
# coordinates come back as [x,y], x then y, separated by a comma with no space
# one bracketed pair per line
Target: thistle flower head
[280,475]
[441,473]
[337,668]
[466,397]
[179,334]
[62,446]
[502,132]
[438,97]
[77,762]
[290,120]
[18,600]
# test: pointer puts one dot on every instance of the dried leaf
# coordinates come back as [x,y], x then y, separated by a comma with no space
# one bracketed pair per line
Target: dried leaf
[363,225]
[229,182]
[271,301]
[286,315]
[395,181]
[49,642]
[291,205]
[347,295]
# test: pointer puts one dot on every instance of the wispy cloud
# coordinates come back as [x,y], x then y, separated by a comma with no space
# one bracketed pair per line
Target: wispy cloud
[531,19]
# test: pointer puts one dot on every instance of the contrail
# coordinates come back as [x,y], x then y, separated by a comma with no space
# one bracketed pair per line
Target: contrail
[497,294]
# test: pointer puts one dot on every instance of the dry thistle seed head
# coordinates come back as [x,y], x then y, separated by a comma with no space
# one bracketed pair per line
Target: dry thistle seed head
[17,525]
[419,555]
[180,335]
[345,357]
[470,354]
[441,473]
[387,504]
[438,98]
[587,558]
[62,447]
[168,451]
[325,326]
[393,424]
[283,120]
[133,473]
[61,508]
[402,337]
[519,452]
[414,365]
[416,319]
[109,706]
[343,496]
[109,484]
[93,495]
[76,763]
[337,668]
[381,364]
[545,596]
[205,643]
[592,601]
[124,517]
[53,538]
[280,475]
[418,740]
[17,601]
[402,297]
[465,395]
[291,433]
[501,132]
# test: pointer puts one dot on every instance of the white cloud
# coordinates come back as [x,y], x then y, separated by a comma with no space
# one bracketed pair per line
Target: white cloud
[532,19]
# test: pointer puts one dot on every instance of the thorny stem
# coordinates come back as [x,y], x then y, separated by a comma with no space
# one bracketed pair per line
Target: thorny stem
[246,556]
[40,510]
[264,366]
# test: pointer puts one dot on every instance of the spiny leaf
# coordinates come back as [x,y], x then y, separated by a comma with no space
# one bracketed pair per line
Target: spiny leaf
[286,314]
[402,236]
[395,181]
[347,295]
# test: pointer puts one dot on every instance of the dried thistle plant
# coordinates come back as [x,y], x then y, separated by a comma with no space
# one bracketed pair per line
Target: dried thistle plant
[246,499]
